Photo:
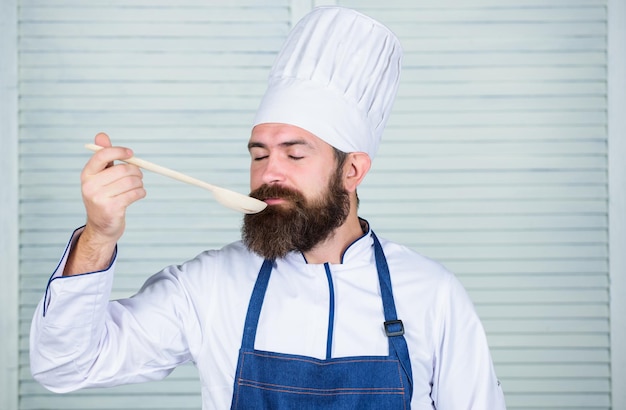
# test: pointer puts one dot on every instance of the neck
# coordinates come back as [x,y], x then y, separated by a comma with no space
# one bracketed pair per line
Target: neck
[331,250]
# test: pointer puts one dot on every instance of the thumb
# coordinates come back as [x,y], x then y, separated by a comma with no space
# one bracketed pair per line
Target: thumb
[102,140]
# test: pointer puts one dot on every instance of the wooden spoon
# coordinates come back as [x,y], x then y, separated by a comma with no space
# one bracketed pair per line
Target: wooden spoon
[230,199]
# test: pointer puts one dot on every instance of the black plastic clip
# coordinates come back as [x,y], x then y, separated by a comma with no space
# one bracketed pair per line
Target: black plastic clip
[394,328]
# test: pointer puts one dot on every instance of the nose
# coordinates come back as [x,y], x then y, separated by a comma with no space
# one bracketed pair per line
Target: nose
[274,171]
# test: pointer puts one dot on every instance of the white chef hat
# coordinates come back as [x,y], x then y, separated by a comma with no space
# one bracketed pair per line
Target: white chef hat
[336,77]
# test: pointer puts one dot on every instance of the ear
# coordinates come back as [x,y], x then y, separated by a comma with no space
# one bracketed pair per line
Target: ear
[355,168]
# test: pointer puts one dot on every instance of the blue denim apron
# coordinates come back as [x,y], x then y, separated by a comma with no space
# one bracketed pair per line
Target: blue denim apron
[267,380]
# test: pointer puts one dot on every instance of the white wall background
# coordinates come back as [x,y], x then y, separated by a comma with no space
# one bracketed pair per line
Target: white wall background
[501,159]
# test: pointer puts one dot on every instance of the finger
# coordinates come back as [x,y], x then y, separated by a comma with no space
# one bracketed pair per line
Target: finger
[118,189]
[114,198]
[115,173]
[104,159]
[103,140]
[131,196]
[129,190]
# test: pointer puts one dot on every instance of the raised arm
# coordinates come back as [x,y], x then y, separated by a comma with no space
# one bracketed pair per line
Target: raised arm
[78,337]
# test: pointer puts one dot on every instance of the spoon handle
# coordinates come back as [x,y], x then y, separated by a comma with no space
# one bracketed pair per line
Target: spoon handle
[150,166]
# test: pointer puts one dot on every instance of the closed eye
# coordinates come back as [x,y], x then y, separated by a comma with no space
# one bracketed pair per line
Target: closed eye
[295,158]
[259,158]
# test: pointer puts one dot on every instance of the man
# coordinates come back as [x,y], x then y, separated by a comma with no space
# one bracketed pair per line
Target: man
[310,309]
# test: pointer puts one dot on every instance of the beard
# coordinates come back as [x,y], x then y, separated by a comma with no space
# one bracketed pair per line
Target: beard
[297,224]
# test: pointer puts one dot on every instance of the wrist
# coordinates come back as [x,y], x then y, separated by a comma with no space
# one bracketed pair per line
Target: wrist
[97,239]
[90,253]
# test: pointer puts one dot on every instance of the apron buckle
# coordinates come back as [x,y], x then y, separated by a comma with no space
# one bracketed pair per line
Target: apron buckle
[394,328]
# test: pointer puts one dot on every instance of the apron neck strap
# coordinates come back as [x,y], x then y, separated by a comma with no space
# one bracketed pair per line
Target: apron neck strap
[254,307]
[384,279]
[394,327]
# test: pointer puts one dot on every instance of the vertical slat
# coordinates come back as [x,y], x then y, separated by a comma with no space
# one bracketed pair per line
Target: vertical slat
[617,195]
[9,217]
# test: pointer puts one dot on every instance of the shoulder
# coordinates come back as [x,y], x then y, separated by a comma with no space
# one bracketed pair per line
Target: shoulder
[416,277]
[232,259]
[212,268]
[407,261]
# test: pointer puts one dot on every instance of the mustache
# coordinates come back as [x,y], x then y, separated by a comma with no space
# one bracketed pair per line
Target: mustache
[275,191]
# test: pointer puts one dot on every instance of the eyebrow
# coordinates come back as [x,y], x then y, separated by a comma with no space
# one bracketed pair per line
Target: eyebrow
[289,143]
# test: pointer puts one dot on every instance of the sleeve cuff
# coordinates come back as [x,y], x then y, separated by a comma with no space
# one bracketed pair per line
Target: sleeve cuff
[57,280]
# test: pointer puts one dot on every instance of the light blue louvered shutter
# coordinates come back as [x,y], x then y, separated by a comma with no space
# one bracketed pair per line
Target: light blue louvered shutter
[178,81]
[495,163]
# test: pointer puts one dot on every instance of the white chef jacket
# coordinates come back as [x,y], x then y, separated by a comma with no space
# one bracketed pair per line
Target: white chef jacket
[195,312]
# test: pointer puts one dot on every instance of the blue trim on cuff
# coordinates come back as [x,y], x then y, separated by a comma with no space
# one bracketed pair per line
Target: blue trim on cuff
[54,277]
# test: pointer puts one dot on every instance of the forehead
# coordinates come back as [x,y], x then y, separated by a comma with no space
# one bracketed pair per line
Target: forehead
[276,134]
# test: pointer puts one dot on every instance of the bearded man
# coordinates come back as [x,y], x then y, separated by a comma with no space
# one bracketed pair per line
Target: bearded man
[311,309]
